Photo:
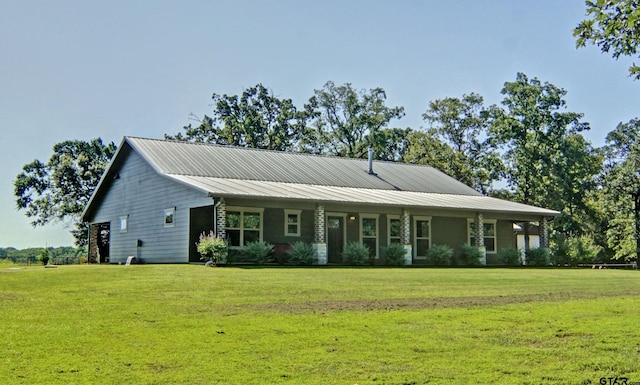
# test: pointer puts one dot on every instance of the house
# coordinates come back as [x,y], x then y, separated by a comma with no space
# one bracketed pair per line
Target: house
[157,196]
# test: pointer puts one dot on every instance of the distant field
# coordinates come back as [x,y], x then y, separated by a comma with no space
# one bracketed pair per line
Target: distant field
[187,324]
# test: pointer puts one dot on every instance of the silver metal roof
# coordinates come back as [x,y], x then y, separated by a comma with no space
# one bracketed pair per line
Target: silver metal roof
[323,194]
[240,172]
[207,160]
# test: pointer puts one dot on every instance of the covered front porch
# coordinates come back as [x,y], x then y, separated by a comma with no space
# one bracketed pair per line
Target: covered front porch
[330,227]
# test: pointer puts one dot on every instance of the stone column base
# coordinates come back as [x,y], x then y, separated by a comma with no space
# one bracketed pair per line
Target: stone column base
[408,256]
[483,251]
[320,250]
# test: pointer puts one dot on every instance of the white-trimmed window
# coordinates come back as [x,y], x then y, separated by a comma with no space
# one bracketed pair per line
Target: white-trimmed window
[124,223]
[490,240]
[394,226]
[292,223]
[169,217]
[369,233]
[243,225]
[422,236]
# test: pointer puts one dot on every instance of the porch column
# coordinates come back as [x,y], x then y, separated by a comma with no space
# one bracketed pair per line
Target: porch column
[92,252]
[221,218]
[319,237]
[478,227]
[544,232]
[405,236]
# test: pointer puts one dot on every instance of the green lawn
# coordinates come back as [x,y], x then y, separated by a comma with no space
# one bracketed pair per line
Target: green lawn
[187,324]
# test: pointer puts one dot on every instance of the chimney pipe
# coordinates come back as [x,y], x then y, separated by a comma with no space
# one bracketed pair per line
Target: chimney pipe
[371,161]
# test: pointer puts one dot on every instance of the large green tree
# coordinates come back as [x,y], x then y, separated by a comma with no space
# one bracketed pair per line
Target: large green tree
[614,27]
[345,122]
[463,123]
[530,131]
[574,173]
[621,187]
[256,119]
[60,189]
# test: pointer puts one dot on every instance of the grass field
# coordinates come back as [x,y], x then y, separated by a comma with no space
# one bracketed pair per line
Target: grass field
[187,324]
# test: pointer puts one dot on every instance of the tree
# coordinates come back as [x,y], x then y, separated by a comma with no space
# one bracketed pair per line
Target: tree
[530,132]
[613,26]
[391,144]
[574,172]
[345,122]
[43,256]
[426,149]
[622,189]
[60,189]
[461,123]
[256,119]
[576,195]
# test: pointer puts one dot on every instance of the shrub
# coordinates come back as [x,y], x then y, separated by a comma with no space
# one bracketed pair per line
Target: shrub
[393,254]
[470,255]
[258,252]
[440,255]
[583,250]
[234,255]
[301,253]
[43,256]
[355,254]
[560,250]
[576,250]
[212,248]
[540,256]
[509,256]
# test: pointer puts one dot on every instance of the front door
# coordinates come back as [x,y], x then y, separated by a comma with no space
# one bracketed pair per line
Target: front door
[335,238]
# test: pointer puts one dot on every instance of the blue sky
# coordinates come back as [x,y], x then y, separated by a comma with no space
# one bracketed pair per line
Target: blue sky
[86,69]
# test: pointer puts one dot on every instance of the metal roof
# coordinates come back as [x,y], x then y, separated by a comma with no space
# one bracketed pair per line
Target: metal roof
[208,160]
[241,172]
[323,194]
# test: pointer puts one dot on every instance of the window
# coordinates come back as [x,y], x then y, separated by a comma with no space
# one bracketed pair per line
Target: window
[393,229]
[169,217]
[243,226]
[292,223]
[422,239]
[369,233]
[489,234]
[124,223]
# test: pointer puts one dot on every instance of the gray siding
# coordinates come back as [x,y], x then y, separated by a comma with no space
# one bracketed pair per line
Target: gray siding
[143,195]
[449,231]
[506,235]
[274,226]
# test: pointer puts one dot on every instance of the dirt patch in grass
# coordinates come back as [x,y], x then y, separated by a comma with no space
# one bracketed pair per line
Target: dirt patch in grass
[431,303]
[8,296]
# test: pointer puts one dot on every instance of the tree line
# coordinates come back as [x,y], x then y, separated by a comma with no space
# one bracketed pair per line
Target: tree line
[61,255]
[530,148]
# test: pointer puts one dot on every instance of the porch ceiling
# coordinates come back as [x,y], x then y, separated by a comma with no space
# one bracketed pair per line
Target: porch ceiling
[323,194]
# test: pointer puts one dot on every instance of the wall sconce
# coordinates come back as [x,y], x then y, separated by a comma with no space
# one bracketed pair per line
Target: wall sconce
[352,218]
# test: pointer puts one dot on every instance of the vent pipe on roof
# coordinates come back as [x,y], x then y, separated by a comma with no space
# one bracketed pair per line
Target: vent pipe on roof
[371,161]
